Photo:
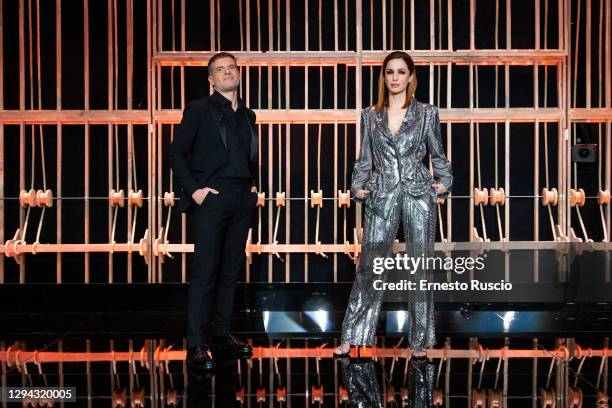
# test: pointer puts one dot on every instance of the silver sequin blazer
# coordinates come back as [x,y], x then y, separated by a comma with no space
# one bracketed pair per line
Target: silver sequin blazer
[387,162]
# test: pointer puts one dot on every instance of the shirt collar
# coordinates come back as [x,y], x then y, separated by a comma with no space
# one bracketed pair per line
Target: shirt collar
[223,101]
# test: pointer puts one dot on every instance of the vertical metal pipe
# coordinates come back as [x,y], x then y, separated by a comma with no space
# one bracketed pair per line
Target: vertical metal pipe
[218,29]
[110,96]
[86,153]
[2,156]
[159,24]
[471,161]
[271,189]
[403,25]
[155,137]
[183,24]
[384,24]
[86,51]
[564,133]
[608,59]
[358,92]
[507,178]
[288,145]
[336,26]
[58,228]
[560,24]
[432,46]
[1,174]
[86,194]
[21,125]
[335,203]
[449,126]
[1,72]
[472,24]
[248,25]
[129,50]
[22,162]
[507,126]
[536,142]
[509,24]
[588,58]
[288,202]
[536,183]
[432,25]
[306,45]
[270,40]
[241,25]
[449,6]
[270,183]
[110,187]
[335,188]
[537,24]
[412,24]
[21,57]
[213,28]
[130,210]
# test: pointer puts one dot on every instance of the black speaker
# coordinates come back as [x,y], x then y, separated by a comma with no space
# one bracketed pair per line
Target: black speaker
[584,153]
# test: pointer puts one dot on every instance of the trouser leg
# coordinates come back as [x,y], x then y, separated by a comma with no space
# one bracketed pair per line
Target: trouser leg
[233,258]
[363,309]
[419,221]
[208,222]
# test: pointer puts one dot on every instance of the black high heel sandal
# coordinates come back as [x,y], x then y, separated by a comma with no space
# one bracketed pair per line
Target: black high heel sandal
[344,354]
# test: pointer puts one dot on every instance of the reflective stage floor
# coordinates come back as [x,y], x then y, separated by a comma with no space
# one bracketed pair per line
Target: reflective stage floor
[102,339]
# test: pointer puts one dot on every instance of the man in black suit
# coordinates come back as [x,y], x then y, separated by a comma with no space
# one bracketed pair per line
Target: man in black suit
[215,159]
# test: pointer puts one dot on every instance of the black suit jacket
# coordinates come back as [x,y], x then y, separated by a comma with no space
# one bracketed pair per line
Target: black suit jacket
[199,148]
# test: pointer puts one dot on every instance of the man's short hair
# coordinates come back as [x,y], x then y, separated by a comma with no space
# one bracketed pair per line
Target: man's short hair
[218,56]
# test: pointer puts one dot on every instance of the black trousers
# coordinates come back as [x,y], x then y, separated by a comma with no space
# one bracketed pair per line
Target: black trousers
[220,228]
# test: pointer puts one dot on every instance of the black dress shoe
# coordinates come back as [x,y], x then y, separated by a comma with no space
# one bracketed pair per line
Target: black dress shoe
[198,359]
[231,344]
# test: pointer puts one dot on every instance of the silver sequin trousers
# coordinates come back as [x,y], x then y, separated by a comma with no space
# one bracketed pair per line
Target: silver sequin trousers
[418,217]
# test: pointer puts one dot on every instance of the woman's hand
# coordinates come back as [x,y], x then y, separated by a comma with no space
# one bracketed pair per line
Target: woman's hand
[361,194]
[440,189]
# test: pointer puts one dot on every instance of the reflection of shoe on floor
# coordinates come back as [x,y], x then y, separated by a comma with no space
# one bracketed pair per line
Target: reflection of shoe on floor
[198,359]
[231,344]
[345,361]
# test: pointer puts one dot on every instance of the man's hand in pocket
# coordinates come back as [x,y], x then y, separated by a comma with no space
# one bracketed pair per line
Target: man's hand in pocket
[200,194]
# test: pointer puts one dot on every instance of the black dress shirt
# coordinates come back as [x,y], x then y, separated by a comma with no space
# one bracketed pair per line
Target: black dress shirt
[238,134]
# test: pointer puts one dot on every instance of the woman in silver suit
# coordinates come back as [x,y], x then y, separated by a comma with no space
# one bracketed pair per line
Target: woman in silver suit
[395,185]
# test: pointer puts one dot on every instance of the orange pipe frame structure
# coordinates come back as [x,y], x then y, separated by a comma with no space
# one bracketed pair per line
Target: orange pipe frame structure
[546,59]
[19,357]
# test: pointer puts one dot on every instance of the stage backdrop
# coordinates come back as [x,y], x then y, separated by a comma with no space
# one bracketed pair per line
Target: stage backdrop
[91,93]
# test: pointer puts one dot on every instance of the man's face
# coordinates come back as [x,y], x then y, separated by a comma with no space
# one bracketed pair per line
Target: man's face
[225,75]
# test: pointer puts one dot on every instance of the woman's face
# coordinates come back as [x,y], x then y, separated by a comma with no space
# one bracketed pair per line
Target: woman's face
[397,76]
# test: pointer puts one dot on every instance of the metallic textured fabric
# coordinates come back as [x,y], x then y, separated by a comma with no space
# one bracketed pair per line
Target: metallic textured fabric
[420,384]
[388,160]
[364,391]
[360,382]
[400,189]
